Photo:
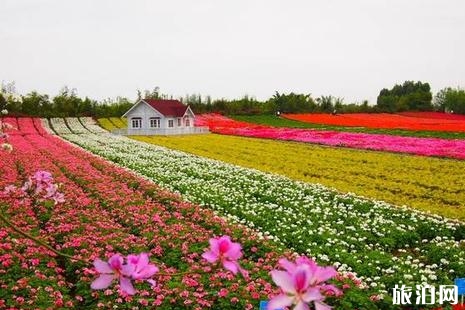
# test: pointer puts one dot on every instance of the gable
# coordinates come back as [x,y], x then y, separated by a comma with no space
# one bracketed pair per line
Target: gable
[142,108]
[189,112]
[162,108]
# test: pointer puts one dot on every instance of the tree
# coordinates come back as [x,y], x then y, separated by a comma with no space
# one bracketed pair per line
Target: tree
[408,96]
[292,103]
[450,100]
[35,104]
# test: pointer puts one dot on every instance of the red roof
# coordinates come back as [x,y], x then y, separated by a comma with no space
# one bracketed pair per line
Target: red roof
[168,107]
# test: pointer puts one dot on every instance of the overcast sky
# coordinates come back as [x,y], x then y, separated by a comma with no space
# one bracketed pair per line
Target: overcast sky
[348,49]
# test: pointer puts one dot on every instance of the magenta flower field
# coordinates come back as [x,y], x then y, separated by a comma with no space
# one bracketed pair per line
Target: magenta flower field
[410,145]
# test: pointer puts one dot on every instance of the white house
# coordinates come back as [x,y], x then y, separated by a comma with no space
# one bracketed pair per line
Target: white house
[161,117]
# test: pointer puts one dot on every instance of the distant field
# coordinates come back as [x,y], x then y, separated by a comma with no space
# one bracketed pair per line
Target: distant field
[428,184]
[271,120]
[429,121]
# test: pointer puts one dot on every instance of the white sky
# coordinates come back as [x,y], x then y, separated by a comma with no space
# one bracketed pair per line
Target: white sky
[348,49]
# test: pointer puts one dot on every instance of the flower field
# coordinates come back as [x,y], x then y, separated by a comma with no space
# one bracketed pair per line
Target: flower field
[274,121]
[398,179]
[383,244]
[410,145]
[410,121]
[110,210]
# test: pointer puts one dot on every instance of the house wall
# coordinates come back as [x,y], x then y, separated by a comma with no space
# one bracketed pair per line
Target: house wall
[145,112]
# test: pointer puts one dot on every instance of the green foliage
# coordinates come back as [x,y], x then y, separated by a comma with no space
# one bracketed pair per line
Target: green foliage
[292,103]
[450,100]
[409,96]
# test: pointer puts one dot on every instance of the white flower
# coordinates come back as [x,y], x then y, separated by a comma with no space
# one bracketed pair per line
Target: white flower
[7,147]
[4,111]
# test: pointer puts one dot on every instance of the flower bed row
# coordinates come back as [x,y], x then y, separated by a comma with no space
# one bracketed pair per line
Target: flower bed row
[425,183]
[385,245]
[276,121]
[435,115]
[110,210]
[411,145]
[409,121]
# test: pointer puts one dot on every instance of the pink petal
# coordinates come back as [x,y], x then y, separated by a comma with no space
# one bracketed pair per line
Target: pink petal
[244,273]
[301,306]
[145,273]
[289,266]
[279,302]
[231,266]
[312,294]
[143,260]
[116,261]
[321,306]
[102,267]
[126,286]
[214,245]
[301,277]
[102,282]
[133,259]
[128,269]
[210,256]
[284,280]
[324,273]
[234,252]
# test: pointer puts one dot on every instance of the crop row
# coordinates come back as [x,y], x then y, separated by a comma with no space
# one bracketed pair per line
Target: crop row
[409,121]
[274,121]
[385,245]
[110,210]
[389,143]
[428,184]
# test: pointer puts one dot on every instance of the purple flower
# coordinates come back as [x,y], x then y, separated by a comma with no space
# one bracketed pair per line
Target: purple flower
[302,283]
[43,176]
[227,252]
[114,269]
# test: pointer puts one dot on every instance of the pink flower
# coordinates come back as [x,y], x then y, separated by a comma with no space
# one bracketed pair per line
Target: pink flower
[43,176]
[227,252]
[111,270]
[9,189]
[302,283]
[142,269]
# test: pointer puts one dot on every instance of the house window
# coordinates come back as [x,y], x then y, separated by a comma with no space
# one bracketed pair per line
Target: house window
[170,123]
[136,122]
[154,122]
[179,122]
[188,122]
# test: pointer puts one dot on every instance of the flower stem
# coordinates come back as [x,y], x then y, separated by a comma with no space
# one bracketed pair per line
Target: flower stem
[179,273]
[39,242]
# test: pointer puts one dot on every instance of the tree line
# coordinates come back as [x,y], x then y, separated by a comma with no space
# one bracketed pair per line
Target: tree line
[409,96]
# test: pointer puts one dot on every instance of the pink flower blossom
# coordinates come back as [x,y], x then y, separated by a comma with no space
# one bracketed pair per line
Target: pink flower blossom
[111,270]
[302,284]
[227,252]
[42,177]
[142,269]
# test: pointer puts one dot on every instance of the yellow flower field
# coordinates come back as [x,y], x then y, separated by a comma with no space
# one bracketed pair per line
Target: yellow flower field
[425,183]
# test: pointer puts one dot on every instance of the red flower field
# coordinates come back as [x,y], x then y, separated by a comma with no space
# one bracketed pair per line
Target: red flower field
[429,121]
